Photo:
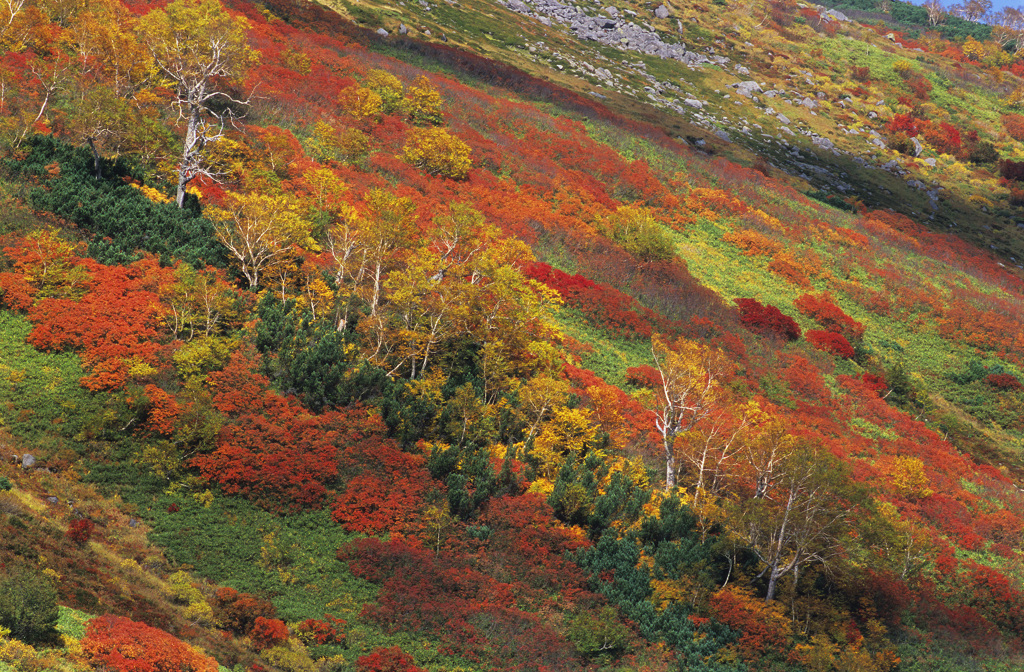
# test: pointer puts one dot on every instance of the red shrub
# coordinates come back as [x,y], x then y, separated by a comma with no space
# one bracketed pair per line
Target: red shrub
[282,458]
[322,632]
[239,611]
[643,376]
[943,137]
[268,632]
[822,309]
[830,342]
[904,123]
[124,645]
[1014,125]
[1003,381]
[757,623]
[767,321]
[387,660]
[920,86]
[603,305]
[80,531]
[1012,170]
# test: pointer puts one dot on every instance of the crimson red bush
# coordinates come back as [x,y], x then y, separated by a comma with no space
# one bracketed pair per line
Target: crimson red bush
[767,320]
[268,632]
[1003,381]
[124,645]
[830,342]
[80,531]
[387,660]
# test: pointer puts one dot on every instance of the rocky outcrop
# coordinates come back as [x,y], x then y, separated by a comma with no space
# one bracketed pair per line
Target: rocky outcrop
[608,28]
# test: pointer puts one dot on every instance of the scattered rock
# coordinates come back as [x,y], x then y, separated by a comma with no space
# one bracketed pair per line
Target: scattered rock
[824,143]
[28,461]
[783,118]
[382,32]
[722,135]
[918,147]
[403,29]
[661,12]
[693,102]
[748,88]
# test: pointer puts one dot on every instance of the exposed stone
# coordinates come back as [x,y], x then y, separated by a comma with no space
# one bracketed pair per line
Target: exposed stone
[693,102]
[748,88]
[824,143]
[661,12]
[382,32]
[403,29]
[28,461]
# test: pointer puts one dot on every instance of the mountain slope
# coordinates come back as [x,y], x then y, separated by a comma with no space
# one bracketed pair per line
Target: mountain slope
[453,359]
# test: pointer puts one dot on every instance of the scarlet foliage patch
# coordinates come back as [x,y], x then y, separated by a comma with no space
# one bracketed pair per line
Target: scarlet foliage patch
[1014,125]
[80,531]
[322,632]
[384,484]
[468,609]
[238,611]
[823,310]
[767,320]
[643,376]
[268,632]
[759,625]
[387,660]
[115,327]
[603,305]
[1003,381]
[904,123]
[830,342]
[282,458]
[128,646]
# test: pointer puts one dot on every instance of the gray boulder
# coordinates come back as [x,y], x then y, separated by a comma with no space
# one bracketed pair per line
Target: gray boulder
[28,461]
[748,88]
[661,12]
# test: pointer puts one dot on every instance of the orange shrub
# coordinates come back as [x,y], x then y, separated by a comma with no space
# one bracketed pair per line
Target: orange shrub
[124,645]
[788,268]
[753,243]
[1014,125]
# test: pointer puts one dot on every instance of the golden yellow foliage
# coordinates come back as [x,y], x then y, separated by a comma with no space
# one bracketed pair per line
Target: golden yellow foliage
[423,102]
[437,152]
[362,103]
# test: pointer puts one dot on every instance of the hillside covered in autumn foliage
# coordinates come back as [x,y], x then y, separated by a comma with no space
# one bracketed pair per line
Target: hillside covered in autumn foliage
[329,346]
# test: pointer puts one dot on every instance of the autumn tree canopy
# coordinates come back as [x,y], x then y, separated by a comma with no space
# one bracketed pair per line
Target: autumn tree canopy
[198,46]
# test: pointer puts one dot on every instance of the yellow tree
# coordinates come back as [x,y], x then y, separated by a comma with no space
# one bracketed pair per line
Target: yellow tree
[259,230]
[388,87]
[437,152]
[690,376]
[423,102]
[198,46]
[421,313]
[802,516]
[385,233]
